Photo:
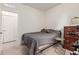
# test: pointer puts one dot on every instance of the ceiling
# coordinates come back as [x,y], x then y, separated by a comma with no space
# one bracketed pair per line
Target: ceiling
[42,6]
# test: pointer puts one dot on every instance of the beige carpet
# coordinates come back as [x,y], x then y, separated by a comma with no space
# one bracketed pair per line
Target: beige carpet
[15,50]
[54,50]
[22,50]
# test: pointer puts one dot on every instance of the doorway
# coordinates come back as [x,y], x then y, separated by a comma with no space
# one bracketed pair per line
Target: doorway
[9,26]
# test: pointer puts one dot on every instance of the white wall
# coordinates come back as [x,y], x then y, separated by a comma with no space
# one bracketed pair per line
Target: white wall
[60,16]
[30,20]
[0,18]
[0,30]
[33,20]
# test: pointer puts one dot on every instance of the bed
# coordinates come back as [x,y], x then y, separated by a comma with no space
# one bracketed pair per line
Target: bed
[39,41]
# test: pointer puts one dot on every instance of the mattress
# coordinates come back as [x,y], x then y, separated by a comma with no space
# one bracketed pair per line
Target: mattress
[36,39]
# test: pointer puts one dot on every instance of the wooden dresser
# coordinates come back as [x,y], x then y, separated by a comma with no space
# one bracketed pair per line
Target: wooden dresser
[71,34]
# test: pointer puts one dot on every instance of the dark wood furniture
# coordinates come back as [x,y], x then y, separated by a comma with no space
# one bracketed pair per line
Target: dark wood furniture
[71,34]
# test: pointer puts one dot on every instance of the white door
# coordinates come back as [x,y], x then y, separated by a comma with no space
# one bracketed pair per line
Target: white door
[9,26]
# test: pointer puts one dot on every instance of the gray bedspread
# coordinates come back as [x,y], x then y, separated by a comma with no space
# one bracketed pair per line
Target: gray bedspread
[36,39]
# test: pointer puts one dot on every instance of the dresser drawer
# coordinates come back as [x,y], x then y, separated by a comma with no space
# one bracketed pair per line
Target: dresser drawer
[70,36]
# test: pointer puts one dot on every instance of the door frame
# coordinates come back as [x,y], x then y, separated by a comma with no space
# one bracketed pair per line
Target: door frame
[9,13]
